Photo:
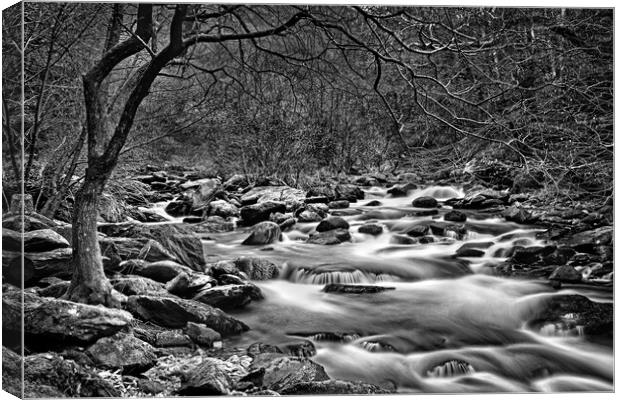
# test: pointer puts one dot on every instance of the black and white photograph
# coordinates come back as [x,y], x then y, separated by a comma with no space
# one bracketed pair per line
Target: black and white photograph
[319,199]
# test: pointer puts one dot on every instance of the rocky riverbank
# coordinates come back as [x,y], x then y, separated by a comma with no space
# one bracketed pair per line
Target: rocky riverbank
[172,335]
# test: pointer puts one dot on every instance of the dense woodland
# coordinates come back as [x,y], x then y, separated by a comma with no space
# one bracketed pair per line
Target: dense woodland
[153,139]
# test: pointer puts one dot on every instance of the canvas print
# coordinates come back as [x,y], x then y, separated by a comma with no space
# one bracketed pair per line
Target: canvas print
[235,199]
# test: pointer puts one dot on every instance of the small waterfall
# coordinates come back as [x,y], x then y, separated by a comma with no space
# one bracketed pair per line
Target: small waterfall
[451,368]
[310,276]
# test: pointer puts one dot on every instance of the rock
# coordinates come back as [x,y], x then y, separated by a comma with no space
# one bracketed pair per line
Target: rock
[223,267]
[205,191]
[176,313]
[153,251]
[469,252]
[29,223]
[566,273]
[181,242]
[151,387]
[179,207]
[256,213]
[559,257]
[331,223]
[123,351]
[424,213]
[283,373]
[130,285]
[309,216]
[34,241]
[338,204]
[481,199]
[56,321]
[527,255]
[50,375]
[371,229]
[192,220]
[174,338]
[349,192]
[223,209]
[303,349]
[202,334]
[286,225]
[587,241]
[519,215]
[357,289]
[228,296]
[257,268]
[179,285]
[235,182]
[210,378]
[312,212]
[419,230]
[152,216]
[322,191]
[401,190]
[333,387]
[163,271]
[316,199]
[12,372]
[455,216]
[292,198]
[402,239]
[57,263]
[424,202]
[55,290]
[335,236]
[265,232]
[373,203]
[261,348]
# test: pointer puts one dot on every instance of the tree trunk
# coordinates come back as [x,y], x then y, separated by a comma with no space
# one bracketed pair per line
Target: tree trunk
[89,284]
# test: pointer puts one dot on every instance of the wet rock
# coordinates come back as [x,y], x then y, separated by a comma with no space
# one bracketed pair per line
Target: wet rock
[316,199]
[357,289]
[265,232]
[559,257]
[151,387]
[151,216]
[469,252]
[424,213]
[312,212]
[349,192]
[526,255]
[309,216]
[401,190]
[179,208]
[229,296]
[586,242]
[402,239]
[123,351]
[455,216]
[283,373]
[257,268]
[163,271]
[287,224]
[335,236]
[59,321]
[419,230]
[303,349]
[371,229]
[519,215]
[131,285]
[331,223]
[222,208]
[256,213]
[338,204]
[176,313]
[50,375]
[424,202]
[223,267]
[334,387]
[261,348]
[210,378]
[34,241]
[202,334]
[566,273]
[373,203]
[205,192]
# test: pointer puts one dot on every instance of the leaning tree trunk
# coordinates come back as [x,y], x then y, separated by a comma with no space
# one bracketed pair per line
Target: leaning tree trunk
[89,283]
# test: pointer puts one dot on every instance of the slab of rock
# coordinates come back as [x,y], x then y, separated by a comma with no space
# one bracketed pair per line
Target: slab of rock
[130,285]
[283,373]
[223,209]
[123,351]
[202,334]
[292,198]
[153,251]
[401,190]
[357,289]
[34,241]
[265,232]
[210,378]
[176,313]
[163,271]
[419,230]
[331,223]
[57,263]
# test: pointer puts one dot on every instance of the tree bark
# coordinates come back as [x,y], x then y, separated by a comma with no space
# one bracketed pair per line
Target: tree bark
[89,284]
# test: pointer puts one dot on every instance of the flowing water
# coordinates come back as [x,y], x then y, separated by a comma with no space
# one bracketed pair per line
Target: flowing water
[449,325]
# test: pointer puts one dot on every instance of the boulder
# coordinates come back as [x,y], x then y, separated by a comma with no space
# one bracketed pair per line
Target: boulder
[153,251]
[373,203]
[292,198]
[338,204]
[566,273]
[163,271]
[179,241]
[36,241]
[402,239]
[371,229]
[176,313]
[325,191]
[424,202]
[205,191]
[419,230]
[222,208]
[588,241]
[349,192]
[50,375]
[283,373]
[122,248]
[256,213]
[210,378]
[333,387]
[309,216]
[55,321]
[335,236]
[57,263]
[179,285]
[265,232]
[455,216]
[331,223]
[401,190]
[130,285]
[123,351]
[357,289]
[229,297]
[180,207]
[12,381]
[469,252]
[202,334]
[287,224]
[172,338]
[257,268]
